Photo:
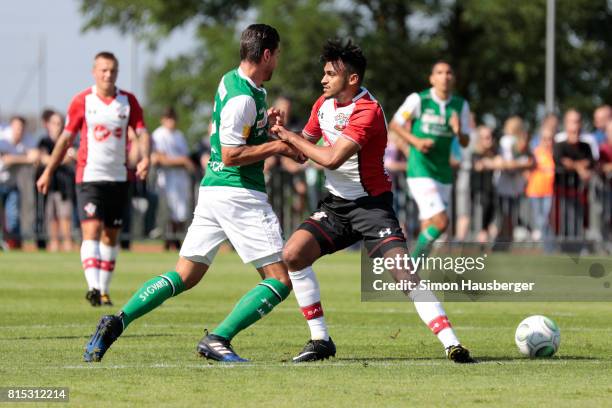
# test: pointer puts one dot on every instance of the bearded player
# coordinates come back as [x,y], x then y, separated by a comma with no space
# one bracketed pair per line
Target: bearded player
[359,205]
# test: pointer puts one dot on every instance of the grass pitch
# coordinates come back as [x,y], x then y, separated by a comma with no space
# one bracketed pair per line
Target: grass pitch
[386,356]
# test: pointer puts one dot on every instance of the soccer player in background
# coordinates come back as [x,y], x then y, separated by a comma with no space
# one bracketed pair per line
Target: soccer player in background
[101,114]
[359,205]
[232,205]
[429,121]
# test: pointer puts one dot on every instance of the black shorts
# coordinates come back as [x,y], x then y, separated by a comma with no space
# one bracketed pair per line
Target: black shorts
[102,200]
[339,223]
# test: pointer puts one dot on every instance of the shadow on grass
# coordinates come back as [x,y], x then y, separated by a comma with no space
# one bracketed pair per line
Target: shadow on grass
[87,336]
[481,359]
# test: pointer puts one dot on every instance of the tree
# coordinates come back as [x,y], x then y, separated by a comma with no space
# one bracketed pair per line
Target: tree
[497,49]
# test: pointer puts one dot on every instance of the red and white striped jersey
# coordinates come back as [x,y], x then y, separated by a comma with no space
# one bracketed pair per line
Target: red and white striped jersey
[102,123]
[363,122]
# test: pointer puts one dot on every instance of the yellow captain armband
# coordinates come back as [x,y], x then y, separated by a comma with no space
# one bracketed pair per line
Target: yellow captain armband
[246,130]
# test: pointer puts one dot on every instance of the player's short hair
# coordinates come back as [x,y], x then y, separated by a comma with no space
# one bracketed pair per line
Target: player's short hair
[441,61]
[255,39]
[106,55]
[46,115]
[349,53]
[18,118]
[169,113]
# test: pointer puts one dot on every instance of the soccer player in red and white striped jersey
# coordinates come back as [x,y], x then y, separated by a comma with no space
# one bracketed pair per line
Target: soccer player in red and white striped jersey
[102,115]
[359,206]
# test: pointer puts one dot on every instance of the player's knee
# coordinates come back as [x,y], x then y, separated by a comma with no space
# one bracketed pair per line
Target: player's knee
[293,258]
[441,221]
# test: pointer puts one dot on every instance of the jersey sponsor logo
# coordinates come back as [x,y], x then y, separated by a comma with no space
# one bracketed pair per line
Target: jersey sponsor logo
[216,166]
[90,209]
[384,232]
[318,216]
[101,133]
[340,121]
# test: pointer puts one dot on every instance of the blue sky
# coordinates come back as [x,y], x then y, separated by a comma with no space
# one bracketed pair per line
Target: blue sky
[69,54]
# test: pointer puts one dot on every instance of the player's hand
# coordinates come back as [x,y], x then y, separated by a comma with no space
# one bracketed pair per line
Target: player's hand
[280,132]
[424,145]
[287,150]
[42,184]
[142,168]
[455,123]
[275,117]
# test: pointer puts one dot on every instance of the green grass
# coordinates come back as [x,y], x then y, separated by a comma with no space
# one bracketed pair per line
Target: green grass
[386,356]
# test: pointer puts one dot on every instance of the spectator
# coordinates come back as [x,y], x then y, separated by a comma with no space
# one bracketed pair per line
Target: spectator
[601,117]
[550,121]
[58,207]
[171,156]
[462,182]
[483,197]
[510,179]
[540,187]
[40,218]
[576,119]
[573,166]
[605,167]
[16,149]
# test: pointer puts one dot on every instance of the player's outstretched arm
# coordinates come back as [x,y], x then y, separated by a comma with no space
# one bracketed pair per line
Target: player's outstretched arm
[57,156]
[330,157]
[247,154]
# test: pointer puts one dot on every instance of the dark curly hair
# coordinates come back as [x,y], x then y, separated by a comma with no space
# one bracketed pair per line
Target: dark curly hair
[349,53]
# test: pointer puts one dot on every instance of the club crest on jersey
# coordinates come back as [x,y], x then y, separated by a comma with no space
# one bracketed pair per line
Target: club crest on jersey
[318,215]
[340,121]
[90,209]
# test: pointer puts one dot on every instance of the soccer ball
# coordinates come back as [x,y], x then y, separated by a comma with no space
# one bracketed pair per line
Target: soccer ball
[537,336]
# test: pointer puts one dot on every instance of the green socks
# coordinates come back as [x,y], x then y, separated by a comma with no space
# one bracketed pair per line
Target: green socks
[424,241]
[254,305]
[152,294]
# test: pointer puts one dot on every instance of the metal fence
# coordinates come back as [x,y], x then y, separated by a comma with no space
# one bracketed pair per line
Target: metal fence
[580,216]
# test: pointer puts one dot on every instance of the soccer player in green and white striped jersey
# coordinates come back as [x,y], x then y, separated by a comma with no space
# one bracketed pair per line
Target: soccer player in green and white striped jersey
[232,205]
[428,121]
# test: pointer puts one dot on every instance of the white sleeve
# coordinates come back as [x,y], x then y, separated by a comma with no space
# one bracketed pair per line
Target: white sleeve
[237,118]
[182,146]
[466,129]
[156,139]
[410,109]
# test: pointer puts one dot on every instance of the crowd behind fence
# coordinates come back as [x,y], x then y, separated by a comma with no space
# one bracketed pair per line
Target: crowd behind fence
[552,191]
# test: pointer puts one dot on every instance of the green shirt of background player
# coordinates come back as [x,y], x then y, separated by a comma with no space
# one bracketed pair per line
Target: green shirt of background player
[428,121]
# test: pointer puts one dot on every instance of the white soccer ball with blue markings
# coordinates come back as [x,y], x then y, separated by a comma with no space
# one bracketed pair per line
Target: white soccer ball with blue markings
[537,336]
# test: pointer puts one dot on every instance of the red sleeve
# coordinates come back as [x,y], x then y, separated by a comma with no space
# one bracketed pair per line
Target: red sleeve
[313,128]
[366,121]
[136,116]
[75,115]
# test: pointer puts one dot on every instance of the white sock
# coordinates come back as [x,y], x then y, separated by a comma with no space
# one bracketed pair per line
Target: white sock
[108,255]
[90,259]
[308,295]
[432,313]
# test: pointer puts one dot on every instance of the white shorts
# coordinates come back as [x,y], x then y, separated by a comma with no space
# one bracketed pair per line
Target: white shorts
[431,196]
[178,198]
[244,217]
